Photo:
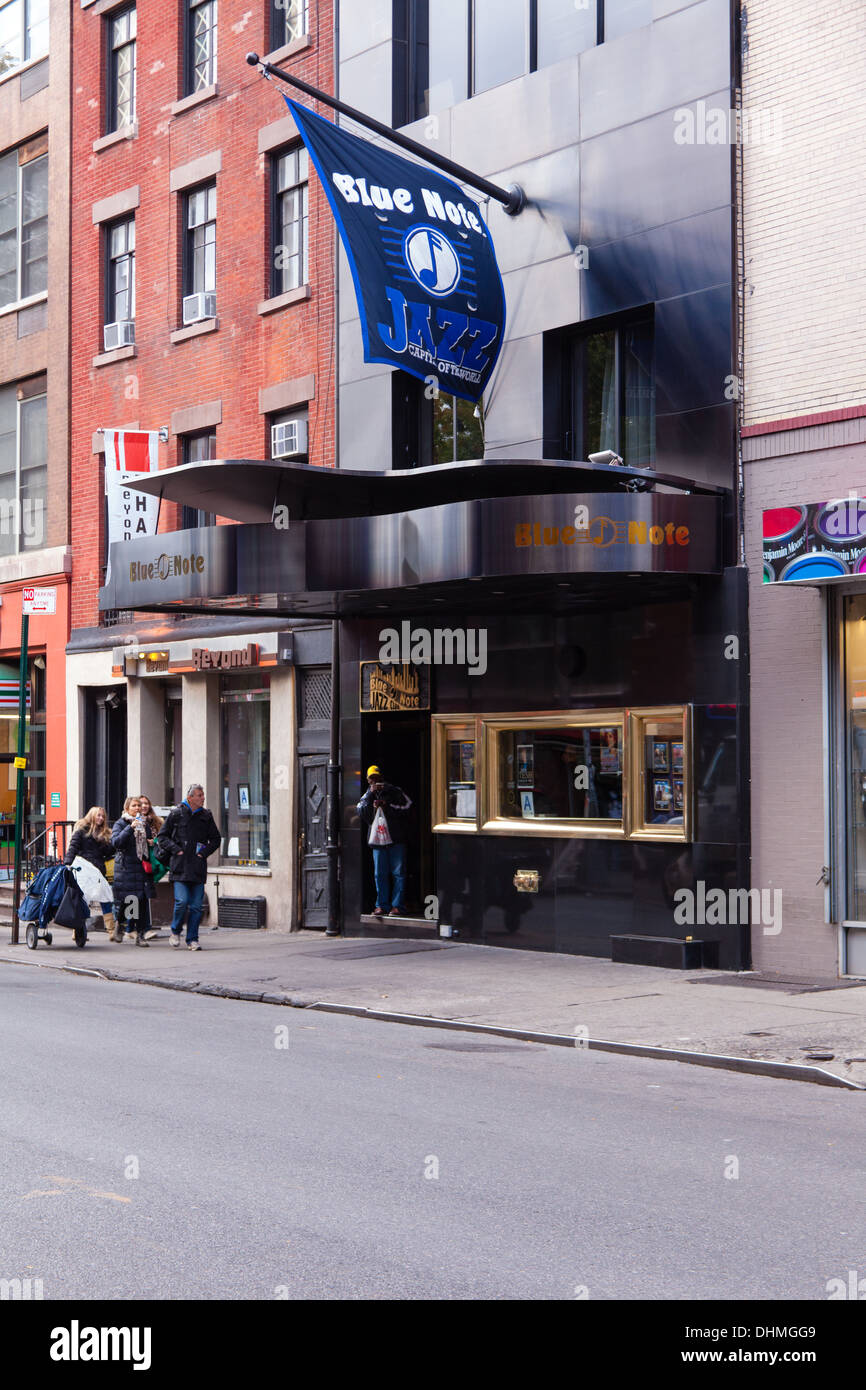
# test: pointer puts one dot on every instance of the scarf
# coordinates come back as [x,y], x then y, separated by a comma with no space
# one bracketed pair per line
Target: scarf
[140,838]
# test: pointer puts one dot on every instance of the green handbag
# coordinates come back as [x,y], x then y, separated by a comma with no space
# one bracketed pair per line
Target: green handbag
[159,869]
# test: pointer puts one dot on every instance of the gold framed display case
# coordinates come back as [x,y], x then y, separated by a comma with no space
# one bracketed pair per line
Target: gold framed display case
[456,741]
[543,774]
[659,749]
[600,773]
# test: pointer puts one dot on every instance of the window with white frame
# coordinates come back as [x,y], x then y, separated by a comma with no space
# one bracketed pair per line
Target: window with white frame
[120,296]
[23,466]
[200,268]
[201,45]
[23,32]
[290,220]
[121,68]
[23,225]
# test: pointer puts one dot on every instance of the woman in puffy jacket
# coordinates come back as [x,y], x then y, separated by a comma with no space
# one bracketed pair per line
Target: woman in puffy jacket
[91,839]
[133,877]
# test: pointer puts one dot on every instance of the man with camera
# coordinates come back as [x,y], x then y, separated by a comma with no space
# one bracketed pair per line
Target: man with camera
[389,854]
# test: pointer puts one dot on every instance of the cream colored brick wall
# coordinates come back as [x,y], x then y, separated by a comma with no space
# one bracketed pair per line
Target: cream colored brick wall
[804,220]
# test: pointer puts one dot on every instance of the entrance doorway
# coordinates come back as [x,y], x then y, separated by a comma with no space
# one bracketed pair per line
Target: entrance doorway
[105,749]
[399,744]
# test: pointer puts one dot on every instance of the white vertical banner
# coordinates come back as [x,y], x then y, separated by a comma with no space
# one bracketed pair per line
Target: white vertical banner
[128,454]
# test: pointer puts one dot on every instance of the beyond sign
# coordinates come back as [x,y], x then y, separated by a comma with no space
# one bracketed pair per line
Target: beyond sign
[429,290]
[203,659]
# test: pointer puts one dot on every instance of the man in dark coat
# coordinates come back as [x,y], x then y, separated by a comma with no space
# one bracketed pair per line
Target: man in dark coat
[389,860]
[189,834]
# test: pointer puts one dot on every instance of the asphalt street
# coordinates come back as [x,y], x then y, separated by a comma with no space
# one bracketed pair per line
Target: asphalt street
[169,1146]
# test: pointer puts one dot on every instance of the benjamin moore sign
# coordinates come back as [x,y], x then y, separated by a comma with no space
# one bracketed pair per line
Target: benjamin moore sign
[428,286]
[815,542]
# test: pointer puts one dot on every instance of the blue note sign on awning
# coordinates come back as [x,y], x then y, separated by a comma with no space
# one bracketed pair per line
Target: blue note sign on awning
[428,286]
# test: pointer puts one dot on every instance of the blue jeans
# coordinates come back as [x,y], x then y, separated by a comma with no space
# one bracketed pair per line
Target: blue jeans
[389,860]
[187,896]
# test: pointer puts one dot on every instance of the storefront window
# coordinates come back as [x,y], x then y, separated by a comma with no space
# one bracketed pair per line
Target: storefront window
[855,703]
[549,772]
[244,817]
[455,757]
[34,743]
[557,773]
[661,781]
[619,772]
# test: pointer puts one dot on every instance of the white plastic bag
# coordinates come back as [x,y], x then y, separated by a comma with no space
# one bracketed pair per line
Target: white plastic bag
[379,833]
[94,887]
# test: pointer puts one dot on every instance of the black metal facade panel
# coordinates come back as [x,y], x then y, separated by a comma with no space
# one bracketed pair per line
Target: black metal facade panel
[650,533]
[158,570]
[579,535]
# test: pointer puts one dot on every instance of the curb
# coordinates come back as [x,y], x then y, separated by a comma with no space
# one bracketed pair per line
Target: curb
[790,1071]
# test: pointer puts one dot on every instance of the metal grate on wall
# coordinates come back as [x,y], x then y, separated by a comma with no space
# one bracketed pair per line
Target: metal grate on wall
[315,697]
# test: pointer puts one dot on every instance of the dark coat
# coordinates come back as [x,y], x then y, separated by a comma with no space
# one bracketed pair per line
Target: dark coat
[129,876]
[397,809]
[181,831]
[94,850]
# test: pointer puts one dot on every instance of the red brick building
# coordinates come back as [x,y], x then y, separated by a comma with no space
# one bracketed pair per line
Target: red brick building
[34,403]
[202,304]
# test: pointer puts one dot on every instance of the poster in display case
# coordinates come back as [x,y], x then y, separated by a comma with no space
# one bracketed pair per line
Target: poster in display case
[660,755]
[677,759]
[662,794]
[526,766]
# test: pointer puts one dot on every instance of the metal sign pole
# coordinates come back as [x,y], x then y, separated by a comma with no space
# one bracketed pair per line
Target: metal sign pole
[513,198]
[20,764]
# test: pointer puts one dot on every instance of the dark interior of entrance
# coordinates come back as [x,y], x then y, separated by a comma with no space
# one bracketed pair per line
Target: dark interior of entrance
[105,749]
[400,745]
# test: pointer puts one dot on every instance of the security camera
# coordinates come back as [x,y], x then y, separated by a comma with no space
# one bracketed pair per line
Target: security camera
[606,456]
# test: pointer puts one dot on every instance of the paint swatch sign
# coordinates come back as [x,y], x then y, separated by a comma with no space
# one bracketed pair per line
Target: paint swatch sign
[814,541]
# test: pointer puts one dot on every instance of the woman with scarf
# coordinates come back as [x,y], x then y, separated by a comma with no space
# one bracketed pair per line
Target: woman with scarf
[153,825]
[91,839]
[133,875]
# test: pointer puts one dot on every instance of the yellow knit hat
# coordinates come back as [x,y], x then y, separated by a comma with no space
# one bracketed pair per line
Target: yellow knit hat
[373,771]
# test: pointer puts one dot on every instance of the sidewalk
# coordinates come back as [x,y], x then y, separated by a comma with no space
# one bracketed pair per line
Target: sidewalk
[696,1011]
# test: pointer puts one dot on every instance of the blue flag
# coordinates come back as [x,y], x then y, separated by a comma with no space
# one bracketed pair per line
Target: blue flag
[428,287]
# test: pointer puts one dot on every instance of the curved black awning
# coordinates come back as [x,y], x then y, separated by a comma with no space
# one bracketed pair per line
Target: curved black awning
[249,490]
[562,550]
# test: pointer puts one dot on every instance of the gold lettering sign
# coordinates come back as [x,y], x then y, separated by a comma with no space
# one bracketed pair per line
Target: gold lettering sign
[387,689]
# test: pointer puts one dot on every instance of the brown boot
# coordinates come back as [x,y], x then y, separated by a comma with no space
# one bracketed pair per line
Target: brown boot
[113,927]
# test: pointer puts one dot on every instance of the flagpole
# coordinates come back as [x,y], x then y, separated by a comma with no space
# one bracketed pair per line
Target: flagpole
[513,198]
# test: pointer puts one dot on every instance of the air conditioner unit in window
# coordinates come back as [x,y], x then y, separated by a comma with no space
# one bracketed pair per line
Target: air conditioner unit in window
[288,439]
[199,306]
[120,334]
